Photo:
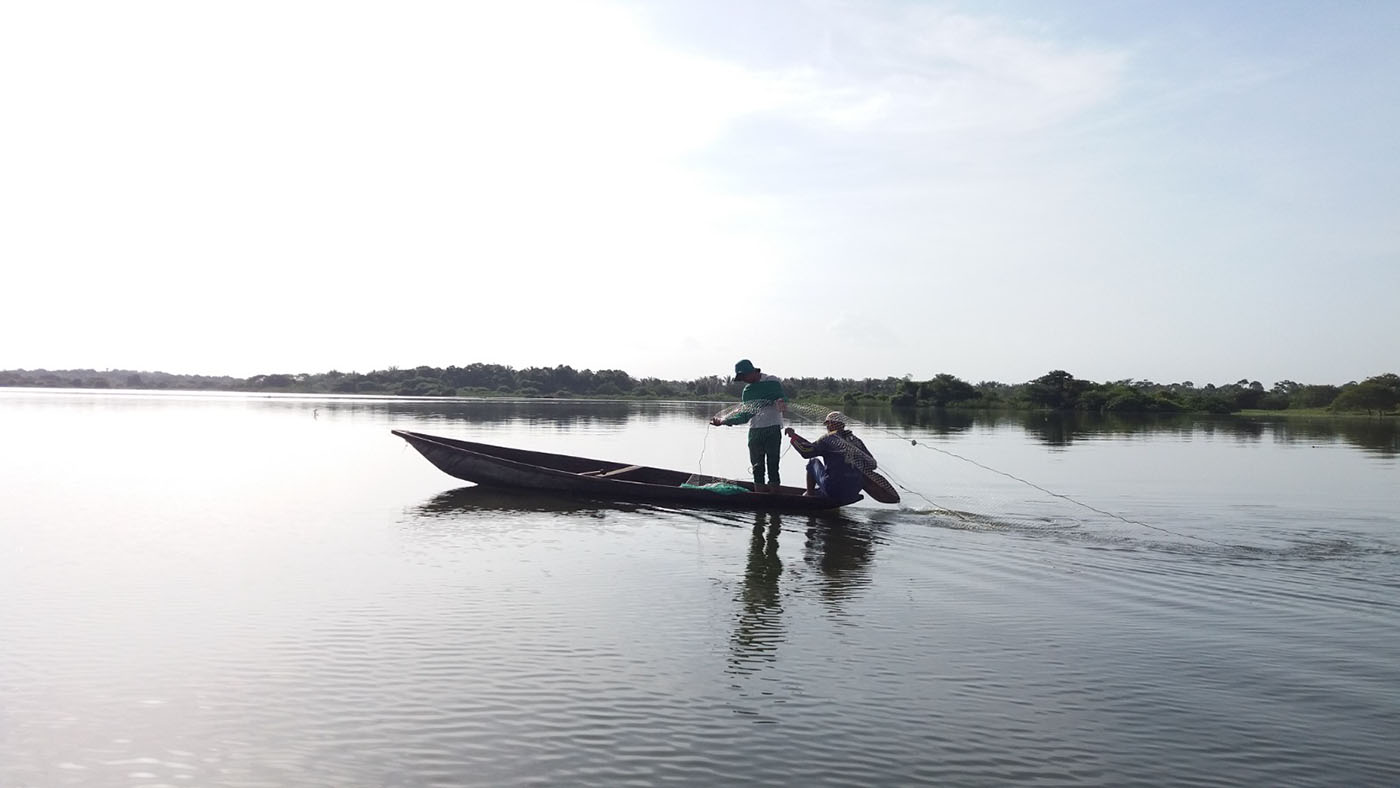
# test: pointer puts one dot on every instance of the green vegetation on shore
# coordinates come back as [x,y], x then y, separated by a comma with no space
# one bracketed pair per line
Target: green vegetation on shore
[1056,390]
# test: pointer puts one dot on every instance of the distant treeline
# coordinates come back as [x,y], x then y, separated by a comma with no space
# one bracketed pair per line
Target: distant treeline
[1056,390]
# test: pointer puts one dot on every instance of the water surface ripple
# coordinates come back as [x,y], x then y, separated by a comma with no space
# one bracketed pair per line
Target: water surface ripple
[313,606]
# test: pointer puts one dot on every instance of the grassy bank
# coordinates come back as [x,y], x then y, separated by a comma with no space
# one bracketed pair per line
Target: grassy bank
[1312,413]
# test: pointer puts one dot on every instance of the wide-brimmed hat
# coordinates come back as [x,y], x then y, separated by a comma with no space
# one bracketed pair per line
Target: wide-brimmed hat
[744,367]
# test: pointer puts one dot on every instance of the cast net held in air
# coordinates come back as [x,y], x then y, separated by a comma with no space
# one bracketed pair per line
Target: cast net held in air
[810,420]
[955,486]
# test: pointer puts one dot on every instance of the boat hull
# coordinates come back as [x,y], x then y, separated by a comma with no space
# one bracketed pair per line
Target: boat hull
[519,469]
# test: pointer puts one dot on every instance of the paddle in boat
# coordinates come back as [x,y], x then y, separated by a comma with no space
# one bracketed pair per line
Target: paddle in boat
[499,466]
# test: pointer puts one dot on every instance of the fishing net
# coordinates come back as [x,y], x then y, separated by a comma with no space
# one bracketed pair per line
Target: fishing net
[961,490]
[846,444]
[967,491]
[721,486]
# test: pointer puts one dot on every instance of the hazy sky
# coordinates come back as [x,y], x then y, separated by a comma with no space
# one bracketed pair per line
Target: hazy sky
[1200,191]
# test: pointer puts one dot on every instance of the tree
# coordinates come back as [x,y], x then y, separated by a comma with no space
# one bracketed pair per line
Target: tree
[1373,395]
[946,389]
[1313,396]
[906,395]
[614,381]
[1056,389]
[1250,396]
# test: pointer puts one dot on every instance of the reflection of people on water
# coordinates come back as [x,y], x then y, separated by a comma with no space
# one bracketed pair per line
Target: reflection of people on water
[759,630]
[839,549]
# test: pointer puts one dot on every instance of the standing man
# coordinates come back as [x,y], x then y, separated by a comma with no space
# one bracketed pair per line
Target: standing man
[763,405]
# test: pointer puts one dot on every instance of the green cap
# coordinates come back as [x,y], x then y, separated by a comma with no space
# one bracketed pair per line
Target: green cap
[744,367]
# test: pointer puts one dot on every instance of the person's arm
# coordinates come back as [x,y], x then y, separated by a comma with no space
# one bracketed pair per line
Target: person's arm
[745,411]
[743,415]
[803,446]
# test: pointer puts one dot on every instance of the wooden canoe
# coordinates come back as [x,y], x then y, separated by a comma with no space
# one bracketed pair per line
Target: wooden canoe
[498,466]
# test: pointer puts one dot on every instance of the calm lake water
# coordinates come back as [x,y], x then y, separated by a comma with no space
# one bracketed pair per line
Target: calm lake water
[221,590]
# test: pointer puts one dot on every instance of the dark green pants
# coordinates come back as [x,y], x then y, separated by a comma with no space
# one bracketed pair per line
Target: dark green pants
[765,446]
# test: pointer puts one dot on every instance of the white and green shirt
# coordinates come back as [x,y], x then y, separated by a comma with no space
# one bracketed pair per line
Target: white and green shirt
[761,400]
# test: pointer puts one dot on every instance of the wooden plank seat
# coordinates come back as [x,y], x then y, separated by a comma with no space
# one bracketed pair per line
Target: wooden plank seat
[602,474]
[620,471]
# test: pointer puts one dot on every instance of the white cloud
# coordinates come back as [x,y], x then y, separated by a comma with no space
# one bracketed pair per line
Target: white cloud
[294,186]
[885,69]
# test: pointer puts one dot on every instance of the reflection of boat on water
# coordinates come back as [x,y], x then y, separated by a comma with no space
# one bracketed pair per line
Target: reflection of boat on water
[475,500]
[499,466]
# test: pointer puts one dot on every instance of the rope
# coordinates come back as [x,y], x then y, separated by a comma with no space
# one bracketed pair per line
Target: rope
[1049,492]
[804,412]
[704,444]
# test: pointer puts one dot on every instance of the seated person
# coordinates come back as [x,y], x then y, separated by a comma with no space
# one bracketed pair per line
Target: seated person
[835,460]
